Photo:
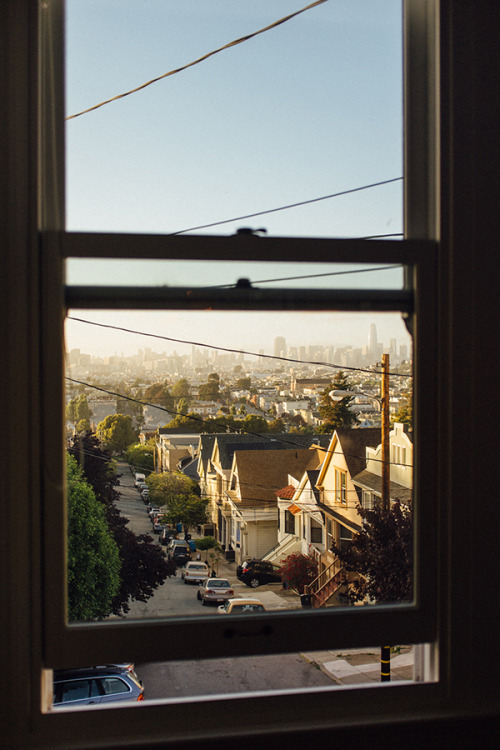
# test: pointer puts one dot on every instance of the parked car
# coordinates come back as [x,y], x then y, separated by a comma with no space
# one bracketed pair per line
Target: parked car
[83,687]
[240,607]
[215,590]
[166,535]
[179,553]
[158,523]
[195,572]
[256,573]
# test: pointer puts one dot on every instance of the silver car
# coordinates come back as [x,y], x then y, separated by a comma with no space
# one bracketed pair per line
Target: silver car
[95,685]
[215,590]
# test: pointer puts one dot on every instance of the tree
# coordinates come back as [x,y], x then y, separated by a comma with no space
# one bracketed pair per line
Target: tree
[243,384]
[206,543]
[116,432]
[143,565]
[254,423]
[141,456]
[182,406]
[277,425]
[179,498]
[336,414]
[181,389]
[298,570]
[210,391]
[130,407]
[158,393]
[382,552]
[79,412]
[190,511]
[404,414]
[166,487]
[93,555]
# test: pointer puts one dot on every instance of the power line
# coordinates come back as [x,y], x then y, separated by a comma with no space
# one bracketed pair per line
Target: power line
[311,276]
[199,60]
[226,427]
[295,205]
[234,351]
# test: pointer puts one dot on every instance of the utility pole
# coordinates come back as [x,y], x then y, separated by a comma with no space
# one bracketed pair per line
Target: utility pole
[386,466]
[385,651]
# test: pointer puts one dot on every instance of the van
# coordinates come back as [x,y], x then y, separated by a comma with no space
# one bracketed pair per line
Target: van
[139,479]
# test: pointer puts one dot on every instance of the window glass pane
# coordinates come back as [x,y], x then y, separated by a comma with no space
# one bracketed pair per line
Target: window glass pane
[309,109]
[227,431]
[218,274]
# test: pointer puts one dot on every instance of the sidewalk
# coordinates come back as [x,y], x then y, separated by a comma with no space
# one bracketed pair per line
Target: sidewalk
[353,667]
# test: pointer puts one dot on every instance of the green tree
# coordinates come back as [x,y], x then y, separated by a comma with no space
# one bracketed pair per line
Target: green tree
[141,456]
[190,510]
[79,411]
[129,406]
[336,414]
[254,423]
[277,425]
[182,406]
[243,384]
[164,488]
[116,432]
[404,413]
[93,556]
[298,570]
[382,552]
[179,498]
[181,389]
[206,543]
[158,393]
[210,391]
[143,565]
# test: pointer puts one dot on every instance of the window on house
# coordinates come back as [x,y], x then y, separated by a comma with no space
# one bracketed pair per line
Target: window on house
[340,486]
[289,522]
[316,532]
[196,266]
[345,536]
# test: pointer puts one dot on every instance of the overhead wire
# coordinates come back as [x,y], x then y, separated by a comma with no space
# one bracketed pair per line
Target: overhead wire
[311,276]
[295,205]
[235,351]
[198,60]
[196,418]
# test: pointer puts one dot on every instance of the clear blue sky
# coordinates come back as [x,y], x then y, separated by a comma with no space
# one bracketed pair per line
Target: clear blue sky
[310,108]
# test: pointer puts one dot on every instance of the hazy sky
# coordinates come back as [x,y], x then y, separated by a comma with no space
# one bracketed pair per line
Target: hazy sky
[307,109]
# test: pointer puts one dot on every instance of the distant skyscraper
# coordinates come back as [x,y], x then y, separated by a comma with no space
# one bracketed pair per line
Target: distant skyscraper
[279,347]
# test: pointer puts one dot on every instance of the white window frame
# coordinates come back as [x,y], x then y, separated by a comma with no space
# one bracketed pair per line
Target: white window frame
[78,643]
[66,645]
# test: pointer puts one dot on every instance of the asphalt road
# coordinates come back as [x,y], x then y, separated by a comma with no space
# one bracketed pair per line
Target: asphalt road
[211,676]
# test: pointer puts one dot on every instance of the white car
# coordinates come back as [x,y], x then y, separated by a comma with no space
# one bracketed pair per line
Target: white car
[195,572]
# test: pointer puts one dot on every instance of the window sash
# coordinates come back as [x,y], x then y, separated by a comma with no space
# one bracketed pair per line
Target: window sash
[100,643]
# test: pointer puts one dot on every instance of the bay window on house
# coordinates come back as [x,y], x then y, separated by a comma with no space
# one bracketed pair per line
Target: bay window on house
[449,293]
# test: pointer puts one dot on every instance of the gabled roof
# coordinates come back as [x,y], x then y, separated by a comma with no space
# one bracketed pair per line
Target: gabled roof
[261,472]
[372,482]
[227,444]
[205,448]
[353,443]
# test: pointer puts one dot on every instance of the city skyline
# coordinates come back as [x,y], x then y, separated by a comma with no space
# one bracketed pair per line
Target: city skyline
[252,333]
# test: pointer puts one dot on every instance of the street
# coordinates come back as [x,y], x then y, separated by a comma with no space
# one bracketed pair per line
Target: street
[213,676]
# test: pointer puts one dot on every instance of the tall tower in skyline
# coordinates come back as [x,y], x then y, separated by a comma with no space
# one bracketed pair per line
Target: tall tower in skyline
[280,346]
[372,341]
